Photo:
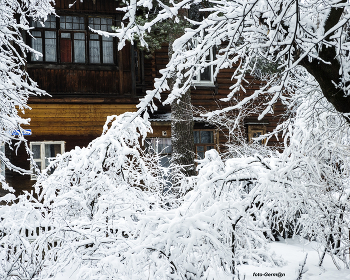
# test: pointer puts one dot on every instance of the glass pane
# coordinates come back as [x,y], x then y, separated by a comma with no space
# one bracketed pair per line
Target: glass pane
[165,161]
[36,151]
[50,22]
[38,163]
[72,22]
[50,46]
[79,36]
[107,50]
[164,146]
[200,155]
[51,150]
[79,47]
[257,134]
[94,52]
[36,34]
[160,145]
[207,137]
[65,35]
[206,74]
[37,44]
[93,36]
[196,137]
[97,21]
[69,25]
[78,23]
[200,148]
[108,21]
[63,22]
[210,148]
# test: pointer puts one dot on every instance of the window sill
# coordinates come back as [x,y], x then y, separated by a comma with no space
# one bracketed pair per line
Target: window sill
[212,85]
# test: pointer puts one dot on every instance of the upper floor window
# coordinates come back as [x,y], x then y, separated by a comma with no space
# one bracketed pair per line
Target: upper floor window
[68,39]
[205,76]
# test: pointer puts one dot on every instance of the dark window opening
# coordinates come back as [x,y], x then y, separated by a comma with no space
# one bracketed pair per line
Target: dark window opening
[204,140]
[72,38]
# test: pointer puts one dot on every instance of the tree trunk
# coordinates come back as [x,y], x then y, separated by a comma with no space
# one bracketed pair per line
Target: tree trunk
[182,127]
[327,75]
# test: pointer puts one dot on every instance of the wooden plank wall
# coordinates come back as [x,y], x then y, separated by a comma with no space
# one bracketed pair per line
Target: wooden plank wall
[103,6]
[48,120]
[66,81]
[76,124]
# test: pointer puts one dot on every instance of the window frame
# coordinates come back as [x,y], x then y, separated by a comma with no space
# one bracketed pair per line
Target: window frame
[42,153]
[58,31]
[43,30]
[256,128]
[205,145]
[198,81]
[162,153]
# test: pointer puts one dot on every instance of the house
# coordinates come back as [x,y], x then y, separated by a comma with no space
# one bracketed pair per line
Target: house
[88,80]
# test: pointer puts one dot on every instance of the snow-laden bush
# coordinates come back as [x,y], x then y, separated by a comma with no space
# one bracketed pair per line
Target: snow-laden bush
[312,174]
[15,84]
[110,218]
[21,252]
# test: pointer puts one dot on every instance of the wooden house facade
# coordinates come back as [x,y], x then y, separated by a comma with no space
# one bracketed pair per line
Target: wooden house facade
[88,79]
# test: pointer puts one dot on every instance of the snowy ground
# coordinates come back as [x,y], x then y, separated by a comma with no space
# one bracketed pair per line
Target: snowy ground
[293,252]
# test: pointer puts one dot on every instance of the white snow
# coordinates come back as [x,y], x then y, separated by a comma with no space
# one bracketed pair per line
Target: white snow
[293,251]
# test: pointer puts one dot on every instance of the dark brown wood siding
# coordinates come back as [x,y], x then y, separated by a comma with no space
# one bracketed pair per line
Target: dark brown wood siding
[92,6]
[208,98]
[68,81]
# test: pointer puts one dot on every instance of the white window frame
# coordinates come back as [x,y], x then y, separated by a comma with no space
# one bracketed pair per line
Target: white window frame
[165,153]
[198,81]
[42,153]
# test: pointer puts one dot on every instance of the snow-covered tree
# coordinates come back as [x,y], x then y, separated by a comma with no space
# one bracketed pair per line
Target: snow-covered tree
[110,217]
[292,33]
[15,84]
[106,205]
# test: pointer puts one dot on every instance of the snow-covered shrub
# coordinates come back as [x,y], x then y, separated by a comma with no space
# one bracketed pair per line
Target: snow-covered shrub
[15,84]
[312,174]
[22,253]
[110,218]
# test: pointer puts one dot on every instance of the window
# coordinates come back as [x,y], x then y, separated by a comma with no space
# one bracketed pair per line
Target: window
[162,146]
[255,131]
[100,47]
[43,151]
[44,40]
[204,140]
[68,39]
[72,39]
[205,76]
